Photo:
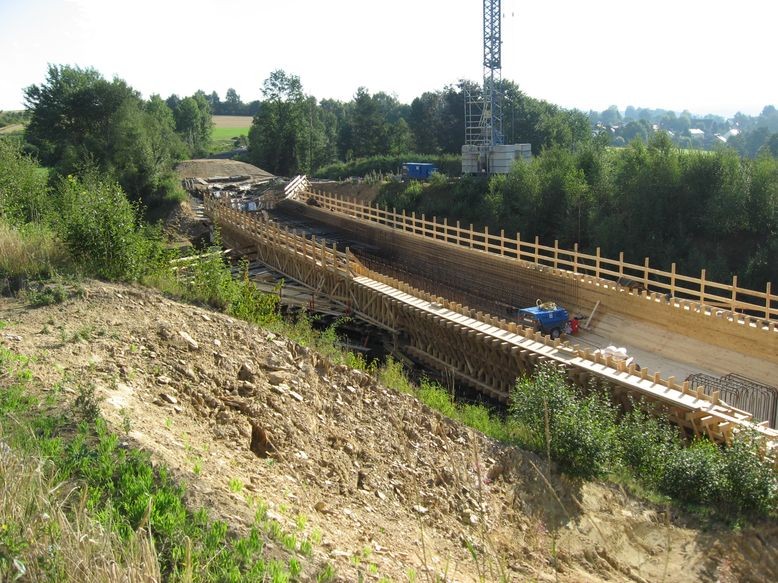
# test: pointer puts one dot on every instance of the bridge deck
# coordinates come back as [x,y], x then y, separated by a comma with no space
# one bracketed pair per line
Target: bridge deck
[567,356]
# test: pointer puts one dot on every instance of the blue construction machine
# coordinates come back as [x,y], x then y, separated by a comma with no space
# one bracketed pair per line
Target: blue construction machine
[549,318]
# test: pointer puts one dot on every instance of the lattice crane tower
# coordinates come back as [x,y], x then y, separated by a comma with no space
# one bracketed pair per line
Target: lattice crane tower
[483,113]
[484,149]
[492,111]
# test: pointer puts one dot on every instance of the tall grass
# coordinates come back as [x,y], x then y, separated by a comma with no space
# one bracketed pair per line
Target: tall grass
[30,251]
[47,534]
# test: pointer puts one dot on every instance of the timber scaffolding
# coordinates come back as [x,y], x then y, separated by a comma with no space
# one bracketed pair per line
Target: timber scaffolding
[478,349]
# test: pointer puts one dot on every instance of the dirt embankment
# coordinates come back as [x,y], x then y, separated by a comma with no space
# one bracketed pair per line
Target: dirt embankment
[209,168]
[382,477]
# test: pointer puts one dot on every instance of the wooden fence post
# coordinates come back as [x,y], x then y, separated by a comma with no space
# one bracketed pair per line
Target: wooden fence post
[767,300]
[621,264]
[556,252]
[702,287]
[597,263]
[472,235]
[445,229]
[486,239]
[734,292]
[518,246]
[672,280]
[575,258]
[537,250]
[502,242]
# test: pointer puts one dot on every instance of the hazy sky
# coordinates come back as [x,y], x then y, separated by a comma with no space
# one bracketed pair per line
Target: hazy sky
[707,56]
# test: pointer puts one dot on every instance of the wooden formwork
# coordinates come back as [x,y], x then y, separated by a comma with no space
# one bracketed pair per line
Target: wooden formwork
[732,297]
[485,352]
[519,278]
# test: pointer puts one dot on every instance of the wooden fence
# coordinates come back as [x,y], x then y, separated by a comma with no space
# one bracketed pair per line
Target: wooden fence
[716,295]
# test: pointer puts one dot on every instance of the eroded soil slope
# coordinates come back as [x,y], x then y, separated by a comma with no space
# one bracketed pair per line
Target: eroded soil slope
[382,477]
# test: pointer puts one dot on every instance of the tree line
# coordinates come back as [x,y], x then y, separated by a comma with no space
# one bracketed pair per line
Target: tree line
[295,133]
[81,122]
[712,210]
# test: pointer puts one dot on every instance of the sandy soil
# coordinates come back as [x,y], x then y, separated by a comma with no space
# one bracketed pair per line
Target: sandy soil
[207,168]
[380,475]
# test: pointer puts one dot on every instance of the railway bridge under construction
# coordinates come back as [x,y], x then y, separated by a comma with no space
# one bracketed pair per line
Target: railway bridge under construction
[486,352]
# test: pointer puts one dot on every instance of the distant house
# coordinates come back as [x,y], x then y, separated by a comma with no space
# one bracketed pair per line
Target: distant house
[729,134]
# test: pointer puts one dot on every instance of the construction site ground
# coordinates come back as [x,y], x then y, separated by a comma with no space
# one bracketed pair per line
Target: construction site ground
[386,481]
[673,354]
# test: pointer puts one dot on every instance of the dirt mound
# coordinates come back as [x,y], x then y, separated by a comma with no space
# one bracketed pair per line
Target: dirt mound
[207,168]
[391,484]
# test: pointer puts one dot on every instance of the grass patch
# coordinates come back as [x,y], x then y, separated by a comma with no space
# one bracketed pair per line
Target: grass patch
[73,498]
[31,251]
[47,533]
[228,133]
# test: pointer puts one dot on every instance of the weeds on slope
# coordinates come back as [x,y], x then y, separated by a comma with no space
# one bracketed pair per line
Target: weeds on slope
[66,476]
[589,439]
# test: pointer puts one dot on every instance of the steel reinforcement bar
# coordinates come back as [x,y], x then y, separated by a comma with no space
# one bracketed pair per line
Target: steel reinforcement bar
[740,305]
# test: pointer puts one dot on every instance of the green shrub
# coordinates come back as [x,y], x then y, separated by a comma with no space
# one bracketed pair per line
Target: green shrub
[247,302]
[751,480]
[480,418]
[647,444]
[695,473]
[391,375]
[579,432]
[436,397]
[23,190]
[101,229]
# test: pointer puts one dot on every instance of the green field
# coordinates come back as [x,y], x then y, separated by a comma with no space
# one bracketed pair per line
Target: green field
[228,133]
[225,129]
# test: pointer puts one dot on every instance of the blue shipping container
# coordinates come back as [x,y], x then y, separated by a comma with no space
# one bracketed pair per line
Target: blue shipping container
[418,170]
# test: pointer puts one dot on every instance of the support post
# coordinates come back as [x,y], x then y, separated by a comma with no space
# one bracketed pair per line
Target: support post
[702,287]
[575,258]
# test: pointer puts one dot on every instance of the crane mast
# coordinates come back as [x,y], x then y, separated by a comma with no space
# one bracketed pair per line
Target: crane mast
[492,109]
[484,150]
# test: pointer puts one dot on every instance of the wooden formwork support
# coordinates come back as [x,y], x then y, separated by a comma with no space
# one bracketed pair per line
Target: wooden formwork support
[485,352]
